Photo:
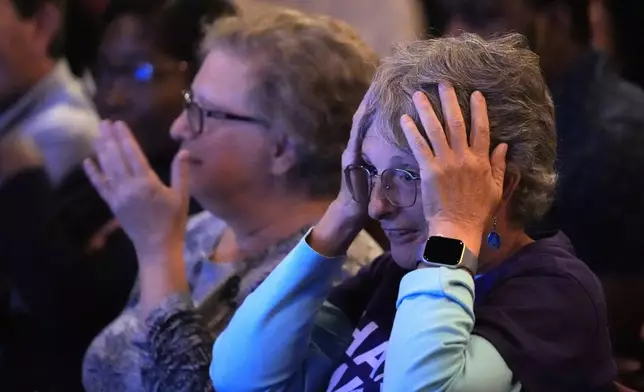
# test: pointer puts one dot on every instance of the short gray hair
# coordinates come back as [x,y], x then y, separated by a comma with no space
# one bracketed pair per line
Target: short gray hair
[520,108]
[312,72]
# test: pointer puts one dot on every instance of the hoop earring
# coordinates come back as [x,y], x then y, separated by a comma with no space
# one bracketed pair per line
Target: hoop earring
[494,239]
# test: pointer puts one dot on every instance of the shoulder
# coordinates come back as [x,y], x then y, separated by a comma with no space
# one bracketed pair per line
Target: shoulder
[549,267]
[547,293]
[74,122]
[64,105]
[547,316]
[544,288]
[548,327]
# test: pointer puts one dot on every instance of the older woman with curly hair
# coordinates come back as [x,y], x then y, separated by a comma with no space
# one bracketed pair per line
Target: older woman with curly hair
[453,151]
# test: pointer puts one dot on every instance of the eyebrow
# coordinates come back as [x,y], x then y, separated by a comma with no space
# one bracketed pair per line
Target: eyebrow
[210,106]
[207,104]
[398,160]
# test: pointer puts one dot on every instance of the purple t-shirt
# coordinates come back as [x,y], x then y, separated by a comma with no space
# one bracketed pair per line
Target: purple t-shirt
[543,310]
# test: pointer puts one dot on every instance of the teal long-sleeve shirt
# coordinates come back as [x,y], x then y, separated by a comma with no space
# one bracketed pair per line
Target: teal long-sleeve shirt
[286,338]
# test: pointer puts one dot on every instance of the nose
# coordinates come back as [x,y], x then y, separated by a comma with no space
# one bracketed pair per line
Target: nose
[379,206]
[180,129]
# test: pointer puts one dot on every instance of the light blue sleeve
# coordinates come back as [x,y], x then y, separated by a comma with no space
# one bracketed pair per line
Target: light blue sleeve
[267,345]
[431,347]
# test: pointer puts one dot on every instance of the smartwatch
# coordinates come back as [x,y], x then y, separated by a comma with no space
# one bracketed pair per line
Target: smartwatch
[448,252]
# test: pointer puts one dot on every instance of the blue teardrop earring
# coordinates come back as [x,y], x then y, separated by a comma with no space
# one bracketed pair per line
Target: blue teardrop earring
[494,239]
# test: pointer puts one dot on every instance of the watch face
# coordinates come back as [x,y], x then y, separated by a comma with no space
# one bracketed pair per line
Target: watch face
[441,250]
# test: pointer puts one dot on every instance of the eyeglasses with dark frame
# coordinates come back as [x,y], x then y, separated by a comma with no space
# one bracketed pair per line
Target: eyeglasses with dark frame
[399,185]
[197,115]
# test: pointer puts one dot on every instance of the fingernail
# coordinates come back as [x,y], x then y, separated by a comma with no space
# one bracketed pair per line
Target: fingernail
[443,86]
[478,96]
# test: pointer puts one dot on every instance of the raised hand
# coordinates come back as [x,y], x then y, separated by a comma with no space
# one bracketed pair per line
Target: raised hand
[353,155]
[152,214]
[345,217]
[462,184]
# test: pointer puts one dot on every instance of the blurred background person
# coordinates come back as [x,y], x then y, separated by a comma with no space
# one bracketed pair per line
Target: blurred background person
[40,100]
[69,266]
[265,124]
[436,17]
[600,126]
[616,30]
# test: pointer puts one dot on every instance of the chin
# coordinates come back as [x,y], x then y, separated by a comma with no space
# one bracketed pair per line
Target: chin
[406,256]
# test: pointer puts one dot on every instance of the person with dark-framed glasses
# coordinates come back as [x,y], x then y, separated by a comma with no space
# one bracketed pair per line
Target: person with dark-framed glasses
[261,134]
[453,151]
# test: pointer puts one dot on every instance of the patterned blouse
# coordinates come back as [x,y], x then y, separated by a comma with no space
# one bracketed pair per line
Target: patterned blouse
[171,351]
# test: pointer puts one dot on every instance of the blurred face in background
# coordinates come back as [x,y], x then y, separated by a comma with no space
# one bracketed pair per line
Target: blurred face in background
[545,30]
[489,17]
[24,46]
[139,84]
[231,146]
[600,26]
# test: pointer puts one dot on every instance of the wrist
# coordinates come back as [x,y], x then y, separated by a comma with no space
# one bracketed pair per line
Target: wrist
[149,251]
[161,276]
[470,235]
[335,232]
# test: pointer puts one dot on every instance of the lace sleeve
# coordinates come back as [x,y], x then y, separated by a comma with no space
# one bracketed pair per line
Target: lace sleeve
[177,348]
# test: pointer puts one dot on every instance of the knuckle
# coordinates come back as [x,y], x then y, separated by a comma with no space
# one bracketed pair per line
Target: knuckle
[483,131]
[458,124]
[420,143]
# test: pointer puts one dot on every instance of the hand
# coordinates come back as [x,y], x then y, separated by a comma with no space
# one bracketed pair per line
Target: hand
[462,184]
[353,155]
[153,215]
[18,154]
[345,217]
[98,241]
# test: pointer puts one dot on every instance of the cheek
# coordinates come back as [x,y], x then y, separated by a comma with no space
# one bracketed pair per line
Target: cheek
[406,255]
[233,156]
[415,214]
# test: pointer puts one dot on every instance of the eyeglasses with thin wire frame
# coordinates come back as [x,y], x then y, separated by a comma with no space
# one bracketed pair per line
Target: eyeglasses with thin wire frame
[399,185]
[197,115]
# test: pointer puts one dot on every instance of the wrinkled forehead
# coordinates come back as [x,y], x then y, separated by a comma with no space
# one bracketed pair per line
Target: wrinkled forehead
[381,120]
[382,153]
[225,80]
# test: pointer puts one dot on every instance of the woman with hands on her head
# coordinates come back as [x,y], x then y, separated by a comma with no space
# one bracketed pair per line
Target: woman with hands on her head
[453,151]
[262,134]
